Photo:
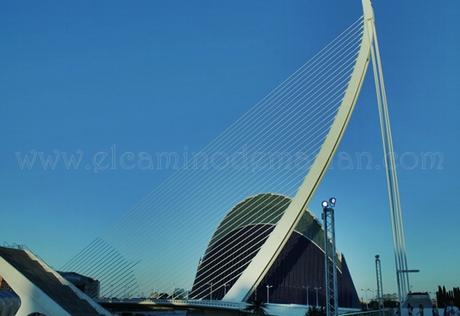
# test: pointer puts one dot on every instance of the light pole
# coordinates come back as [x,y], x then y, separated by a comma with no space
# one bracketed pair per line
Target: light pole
[365,291]
[317,289]
[268,292]
[225,289]
[210,291]
[371,291]
[330,258]
[308,288]
[433,296]
[378,273]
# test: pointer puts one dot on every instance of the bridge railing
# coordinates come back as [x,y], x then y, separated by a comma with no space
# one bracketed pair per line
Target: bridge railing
[180,302]
[377,312]
[208,303]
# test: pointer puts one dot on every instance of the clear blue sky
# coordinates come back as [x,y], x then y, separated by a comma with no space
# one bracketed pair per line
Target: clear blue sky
[163,75]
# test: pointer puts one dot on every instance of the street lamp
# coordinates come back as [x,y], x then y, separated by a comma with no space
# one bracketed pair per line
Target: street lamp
[366,291]
[225,288]
[317,289]
[210,291]
[307,287]
[378,273]
[330,257]
[364,297]
[434,297]
[268,292]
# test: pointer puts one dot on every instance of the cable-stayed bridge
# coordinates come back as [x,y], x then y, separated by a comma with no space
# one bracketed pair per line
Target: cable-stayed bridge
[284,145]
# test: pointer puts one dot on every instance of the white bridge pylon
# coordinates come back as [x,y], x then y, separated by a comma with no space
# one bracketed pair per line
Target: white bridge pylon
[252,276]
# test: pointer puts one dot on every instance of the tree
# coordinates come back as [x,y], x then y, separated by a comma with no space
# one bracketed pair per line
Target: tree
[439,297]
[444,297]
[456,296]
[315,311]
[256,307]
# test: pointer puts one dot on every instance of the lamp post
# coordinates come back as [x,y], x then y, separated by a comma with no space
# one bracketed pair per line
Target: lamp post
[268,292]
[317,289]
[371,291]
[366,291]
[225,288]
[434,297]
[307,288]
[363,298]
[210,291]
[330,258]
[378,273]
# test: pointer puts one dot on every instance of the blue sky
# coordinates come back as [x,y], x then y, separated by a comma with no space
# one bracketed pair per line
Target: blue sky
[167,75]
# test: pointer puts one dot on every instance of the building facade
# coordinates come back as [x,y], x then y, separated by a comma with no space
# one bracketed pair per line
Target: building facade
[297,275]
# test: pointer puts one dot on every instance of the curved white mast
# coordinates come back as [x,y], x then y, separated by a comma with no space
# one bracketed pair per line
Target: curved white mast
[261,263]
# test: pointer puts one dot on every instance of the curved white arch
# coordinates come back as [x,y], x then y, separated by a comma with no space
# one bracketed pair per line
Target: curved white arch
[261,263]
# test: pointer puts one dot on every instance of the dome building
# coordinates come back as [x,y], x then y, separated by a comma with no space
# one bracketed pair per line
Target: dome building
[297,274]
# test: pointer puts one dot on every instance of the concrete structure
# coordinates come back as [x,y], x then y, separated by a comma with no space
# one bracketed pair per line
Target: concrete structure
[41,289]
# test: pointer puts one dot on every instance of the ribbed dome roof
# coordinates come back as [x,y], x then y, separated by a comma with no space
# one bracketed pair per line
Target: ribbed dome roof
[266,208]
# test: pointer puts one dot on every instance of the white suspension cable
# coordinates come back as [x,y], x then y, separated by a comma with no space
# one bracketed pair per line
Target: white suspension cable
[292,99]
[358,20]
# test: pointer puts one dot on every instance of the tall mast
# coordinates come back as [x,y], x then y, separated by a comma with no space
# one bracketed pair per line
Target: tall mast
[389,157]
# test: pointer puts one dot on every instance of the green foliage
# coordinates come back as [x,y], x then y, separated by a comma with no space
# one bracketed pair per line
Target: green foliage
[390,304]
[315,311]
[256,307]
[444,297]
[373,304]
